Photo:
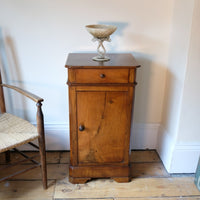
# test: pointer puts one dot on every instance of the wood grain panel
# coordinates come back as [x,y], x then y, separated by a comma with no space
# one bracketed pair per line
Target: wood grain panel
[102,142]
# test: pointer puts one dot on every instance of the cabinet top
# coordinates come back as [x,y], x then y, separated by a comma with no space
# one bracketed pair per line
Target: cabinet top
[84,60]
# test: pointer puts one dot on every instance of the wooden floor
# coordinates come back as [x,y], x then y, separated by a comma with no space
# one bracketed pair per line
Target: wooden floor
[150,181]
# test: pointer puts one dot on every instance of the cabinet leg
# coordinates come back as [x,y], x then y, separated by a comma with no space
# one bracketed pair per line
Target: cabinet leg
[122,179]
[78,180]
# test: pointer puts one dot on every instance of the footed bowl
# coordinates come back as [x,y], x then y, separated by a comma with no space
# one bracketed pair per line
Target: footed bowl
[100,30]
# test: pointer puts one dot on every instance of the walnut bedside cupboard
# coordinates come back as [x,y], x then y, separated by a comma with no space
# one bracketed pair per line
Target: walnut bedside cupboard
[100,107]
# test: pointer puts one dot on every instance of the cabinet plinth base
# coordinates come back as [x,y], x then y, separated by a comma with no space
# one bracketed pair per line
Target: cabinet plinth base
[78,180]
[81,174]
[122,179]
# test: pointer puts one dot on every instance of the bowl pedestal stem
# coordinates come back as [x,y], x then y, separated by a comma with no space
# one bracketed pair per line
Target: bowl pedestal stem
[101,49]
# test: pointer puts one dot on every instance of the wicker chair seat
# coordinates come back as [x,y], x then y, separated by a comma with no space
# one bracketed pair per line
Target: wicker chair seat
[15,131]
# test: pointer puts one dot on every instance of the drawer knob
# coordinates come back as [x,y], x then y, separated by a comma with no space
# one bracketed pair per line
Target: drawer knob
[102,75]
[81,128]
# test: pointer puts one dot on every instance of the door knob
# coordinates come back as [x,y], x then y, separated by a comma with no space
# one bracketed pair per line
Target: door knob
[102,75]
[81,128]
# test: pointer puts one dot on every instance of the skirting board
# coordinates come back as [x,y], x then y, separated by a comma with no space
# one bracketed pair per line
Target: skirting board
[165,147]
[177,158]
[56,137]
[182,158]
[185,158]
[143,136]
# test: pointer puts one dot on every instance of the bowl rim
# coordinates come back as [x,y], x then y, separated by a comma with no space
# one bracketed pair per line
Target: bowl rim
[100,26]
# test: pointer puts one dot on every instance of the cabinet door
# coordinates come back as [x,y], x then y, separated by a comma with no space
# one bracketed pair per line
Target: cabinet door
[105,116]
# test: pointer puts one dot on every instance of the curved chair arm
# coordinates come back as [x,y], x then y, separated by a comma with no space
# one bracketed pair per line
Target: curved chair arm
[24,92]
[40,128]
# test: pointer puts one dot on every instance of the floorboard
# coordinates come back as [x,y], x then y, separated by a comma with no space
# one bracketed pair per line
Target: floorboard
[26,190]
[150,181]
[138,188]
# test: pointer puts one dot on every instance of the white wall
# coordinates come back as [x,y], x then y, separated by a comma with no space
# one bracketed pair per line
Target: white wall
[187,149]
[179,140]
[178,53]
[162,35]
[40,33]
[190,113]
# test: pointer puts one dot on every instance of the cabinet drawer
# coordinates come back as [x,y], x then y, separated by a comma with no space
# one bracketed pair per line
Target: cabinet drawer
[99,75]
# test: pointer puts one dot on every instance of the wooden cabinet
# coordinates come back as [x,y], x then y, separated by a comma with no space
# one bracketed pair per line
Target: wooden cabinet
[100,106]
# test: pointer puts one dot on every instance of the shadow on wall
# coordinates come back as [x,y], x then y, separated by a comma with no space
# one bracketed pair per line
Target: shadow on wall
[140,109]
[10,72]
[143,79]
[148,81]
[170,92]
[166,138]
[118,33]
[148,96]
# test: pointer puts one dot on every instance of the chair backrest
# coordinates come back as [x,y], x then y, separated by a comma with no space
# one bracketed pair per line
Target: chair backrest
[2,100]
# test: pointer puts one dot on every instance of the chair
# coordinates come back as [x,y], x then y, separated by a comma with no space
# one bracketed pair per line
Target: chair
[15,132]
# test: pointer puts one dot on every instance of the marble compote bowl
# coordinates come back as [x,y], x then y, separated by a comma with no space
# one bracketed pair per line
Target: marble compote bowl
[101,33]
